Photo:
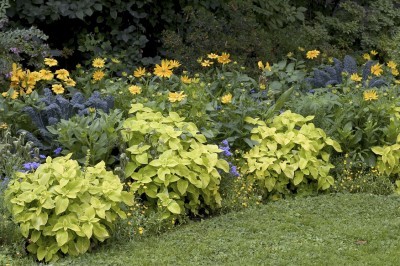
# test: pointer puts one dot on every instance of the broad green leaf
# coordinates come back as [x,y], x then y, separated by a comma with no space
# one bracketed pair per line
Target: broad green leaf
[100,232]
[334,144]
[61,204]
[41,253]
[298,178]
[61,237]
[35,235]
[142,158]
[270,183]
[182,186]
[82,244]
[87,229]
[173,207]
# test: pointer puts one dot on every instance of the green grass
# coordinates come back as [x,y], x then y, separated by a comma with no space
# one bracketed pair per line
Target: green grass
[337,229]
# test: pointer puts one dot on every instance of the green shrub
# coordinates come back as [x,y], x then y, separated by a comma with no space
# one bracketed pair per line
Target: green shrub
[290,156]
[97,132]
[388,160]
[171,167]
[62,209]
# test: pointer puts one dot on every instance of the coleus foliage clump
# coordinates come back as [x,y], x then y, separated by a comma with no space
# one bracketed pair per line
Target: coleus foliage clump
[172,168]
[291,155]
[61,208]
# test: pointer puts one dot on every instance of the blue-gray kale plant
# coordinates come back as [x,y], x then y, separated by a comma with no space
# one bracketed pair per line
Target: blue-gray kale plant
[333,75]
[51,109]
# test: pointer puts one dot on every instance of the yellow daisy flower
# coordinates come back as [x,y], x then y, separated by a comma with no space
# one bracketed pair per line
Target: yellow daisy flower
[185,79]
[62,74]
[366,56]
[98,75]
[50,62]
[15,95]
[395,72]
[227,98]
[134,89]
[312,54]
[176,96]
[355,77]
[224,58]
[46,74]
[98,62]
[139,72]
[174,64]
[373,52]
[377,70]
[70,82]
[370,95]
[57,88]
[212,56]
[262,67]
[163,70]
[391,64]
[206,63]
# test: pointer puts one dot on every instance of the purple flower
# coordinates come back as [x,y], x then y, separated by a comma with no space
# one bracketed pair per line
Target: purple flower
[234,171]
[14,50]
[8,75]
[225,147]
[57,151]
[41,156]
[31,166]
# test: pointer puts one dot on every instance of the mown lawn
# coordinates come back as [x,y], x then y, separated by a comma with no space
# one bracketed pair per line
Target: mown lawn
[337,229]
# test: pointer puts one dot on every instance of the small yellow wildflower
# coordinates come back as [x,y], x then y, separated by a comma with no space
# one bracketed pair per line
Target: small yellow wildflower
[139,72]
[290,54]
[227,98]
[391,64]
[70,82]
[140,230]
[115,60]
[15,95]
[46,74]
[98,62]
[212,56]
[98,75]
[370,95]
[57,88]
[206,63]
[395,72]
[174,64]
[4,94]
[163,70]
[3,126]
[176,96]
[366,56]
[50,62]
[312,54]
[185,79]
[62,74]
[373,52]
[224,58]
[262,67]
[376,70]
[134,89]
[355,77]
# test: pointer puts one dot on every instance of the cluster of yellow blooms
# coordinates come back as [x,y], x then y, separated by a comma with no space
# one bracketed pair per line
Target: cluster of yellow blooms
[24,81]
[98,74]
[224,59]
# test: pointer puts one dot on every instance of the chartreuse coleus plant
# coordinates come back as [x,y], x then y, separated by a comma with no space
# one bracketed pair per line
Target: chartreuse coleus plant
[61,208]
[291,155]
[171,167]
[388,158]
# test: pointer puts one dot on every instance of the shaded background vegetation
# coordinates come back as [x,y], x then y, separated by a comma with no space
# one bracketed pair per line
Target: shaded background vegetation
[141,32]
